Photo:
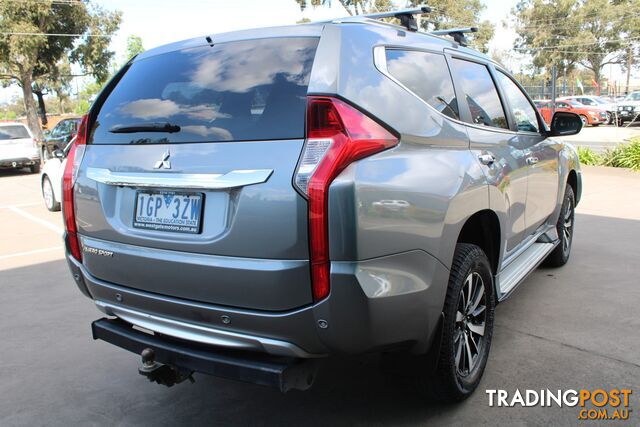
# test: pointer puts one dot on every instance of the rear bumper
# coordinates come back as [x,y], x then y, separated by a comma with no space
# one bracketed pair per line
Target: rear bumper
[19,162]
[373,305]
[283,373]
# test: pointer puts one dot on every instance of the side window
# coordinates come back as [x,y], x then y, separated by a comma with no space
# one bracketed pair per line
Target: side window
[481,94]
[427,75]
[523,111]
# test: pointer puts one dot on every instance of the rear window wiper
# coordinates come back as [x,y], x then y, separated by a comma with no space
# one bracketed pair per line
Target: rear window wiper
[146,127]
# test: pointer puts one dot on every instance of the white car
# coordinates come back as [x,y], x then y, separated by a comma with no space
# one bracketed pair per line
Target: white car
[595,101]
[18,149]
[51,178]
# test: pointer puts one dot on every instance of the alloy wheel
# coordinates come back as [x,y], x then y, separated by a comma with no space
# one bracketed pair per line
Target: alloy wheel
[567,227]
[471,318]
[47,193]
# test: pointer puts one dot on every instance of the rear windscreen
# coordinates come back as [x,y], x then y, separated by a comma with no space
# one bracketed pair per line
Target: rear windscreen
[236,91]
[13,132]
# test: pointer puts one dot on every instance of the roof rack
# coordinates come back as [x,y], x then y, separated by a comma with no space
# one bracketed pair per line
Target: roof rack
[456,33]
[406,16]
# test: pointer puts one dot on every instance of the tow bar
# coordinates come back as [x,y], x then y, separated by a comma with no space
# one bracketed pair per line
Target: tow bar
[169,361]
[162,374]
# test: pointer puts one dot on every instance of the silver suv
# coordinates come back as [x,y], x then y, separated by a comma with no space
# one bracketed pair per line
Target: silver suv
[246,204]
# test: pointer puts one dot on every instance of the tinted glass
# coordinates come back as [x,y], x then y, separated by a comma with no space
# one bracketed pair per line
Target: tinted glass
[426,75]
[481,94]
[523,111]
[13,132]
[237,91]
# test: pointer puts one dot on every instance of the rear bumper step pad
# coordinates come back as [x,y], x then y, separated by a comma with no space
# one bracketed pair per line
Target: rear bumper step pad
[283,373]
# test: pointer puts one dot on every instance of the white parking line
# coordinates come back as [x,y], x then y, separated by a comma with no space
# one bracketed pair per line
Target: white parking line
[35,251]
[20,205]
[34,218]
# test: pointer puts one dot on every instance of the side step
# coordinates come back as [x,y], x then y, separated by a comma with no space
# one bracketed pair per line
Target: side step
[184,357]
[521,267]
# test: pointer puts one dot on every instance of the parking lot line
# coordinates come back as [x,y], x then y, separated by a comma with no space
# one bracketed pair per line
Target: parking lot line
[20,205]
[34,218]
[33,252]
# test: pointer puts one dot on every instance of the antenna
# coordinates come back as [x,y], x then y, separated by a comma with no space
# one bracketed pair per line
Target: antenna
[456,33]
[406,16]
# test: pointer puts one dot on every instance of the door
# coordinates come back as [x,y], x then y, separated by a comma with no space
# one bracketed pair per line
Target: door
[540,155]
[495,144]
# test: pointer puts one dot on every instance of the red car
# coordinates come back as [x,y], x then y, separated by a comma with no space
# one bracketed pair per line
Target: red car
[590,115]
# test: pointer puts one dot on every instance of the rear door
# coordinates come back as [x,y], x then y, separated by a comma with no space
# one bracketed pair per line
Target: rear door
[491,138]
[541,155]
[186,181]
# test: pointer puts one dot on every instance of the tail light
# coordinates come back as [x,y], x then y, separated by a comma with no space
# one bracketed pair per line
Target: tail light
[337,135]
[74,158]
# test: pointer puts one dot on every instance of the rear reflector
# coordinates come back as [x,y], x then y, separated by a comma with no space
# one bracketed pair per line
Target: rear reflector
[337,135]
[74,158]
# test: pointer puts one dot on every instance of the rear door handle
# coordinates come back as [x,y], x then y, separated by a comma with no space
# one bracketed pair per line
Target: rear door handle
[532,160]
[487,159]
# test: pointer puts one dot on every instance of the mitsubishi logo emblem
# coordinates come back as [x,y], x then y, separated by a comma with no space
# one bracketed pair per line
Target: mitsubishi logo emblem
[164,163]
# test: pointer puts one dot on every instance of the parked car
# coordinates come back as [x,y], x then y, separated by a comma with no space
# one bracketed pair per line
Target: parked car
[17,148]
[59,136]
[589,115]
[222,203]
[51,177]
[597,102]
[629,108]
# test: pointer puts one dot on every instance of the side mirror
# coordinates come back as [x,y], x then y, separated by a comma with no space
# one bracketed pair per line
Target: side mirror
[564,123]
[58,154]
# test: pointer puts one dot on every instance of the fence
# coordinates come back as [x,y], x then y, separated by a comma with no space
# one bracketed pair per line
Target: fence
[543,91]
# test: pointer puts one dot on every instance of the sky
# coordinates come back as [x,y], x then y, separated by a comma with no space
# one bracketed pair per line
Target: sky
[159,22]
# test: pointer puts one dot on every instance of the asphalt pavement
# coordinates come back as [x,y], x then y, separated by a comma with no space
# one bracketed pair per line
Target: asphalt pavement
[601,137]
[576,327]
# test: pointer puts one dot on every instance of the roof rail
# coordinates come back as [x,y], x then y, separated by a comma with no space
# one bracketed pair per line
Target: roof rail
[406,16]
[456,33]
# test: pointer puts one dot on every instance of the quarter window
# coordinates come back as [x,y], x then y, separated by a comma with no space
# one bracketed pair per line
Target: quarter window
[523,112]
[427,75]
[481,94]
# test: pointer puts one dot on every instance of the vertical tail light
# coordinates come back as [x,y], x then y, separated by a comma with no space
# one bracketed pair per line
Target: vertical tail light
[337,135]
[74,158]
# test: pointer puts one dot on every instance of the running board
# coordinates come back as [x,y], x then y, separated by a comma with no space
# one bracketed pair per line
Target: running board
[521,267]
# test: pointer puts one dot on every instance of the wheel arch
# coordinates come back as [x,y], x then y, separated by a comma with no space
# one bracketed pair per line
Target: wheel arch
[483,229]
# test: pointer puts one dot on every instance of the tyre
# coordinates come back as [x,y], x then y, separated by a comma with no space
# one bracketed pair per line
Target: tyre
[467,328]
[49,196]
[565,225]
[35,168]
[585,122]
[609,118]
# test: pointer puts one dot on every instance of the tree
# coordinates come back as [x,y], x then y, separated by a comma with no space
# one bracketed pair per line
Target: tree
[134,46]
[590,33]
[458,13]
[32,49]
[445,14]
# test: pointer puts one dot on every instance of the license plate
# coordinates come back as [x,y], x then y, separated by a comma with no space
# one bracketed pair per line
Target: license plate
[168,211]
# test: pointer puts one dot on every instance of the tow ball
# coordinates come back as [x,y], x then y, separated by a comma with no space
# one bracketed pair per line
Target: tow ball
[160,373]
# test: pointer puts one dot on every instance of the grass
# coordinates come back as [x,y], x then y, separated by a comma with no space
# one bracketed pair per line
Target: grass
[589,157]
[620,156]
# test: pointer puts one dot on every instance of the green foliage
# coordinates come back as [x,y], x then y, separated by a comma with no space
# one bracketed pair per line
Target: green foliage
[623,156]
[41,59]
[134,46]
[588,157]
[82,107]
[590,33]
